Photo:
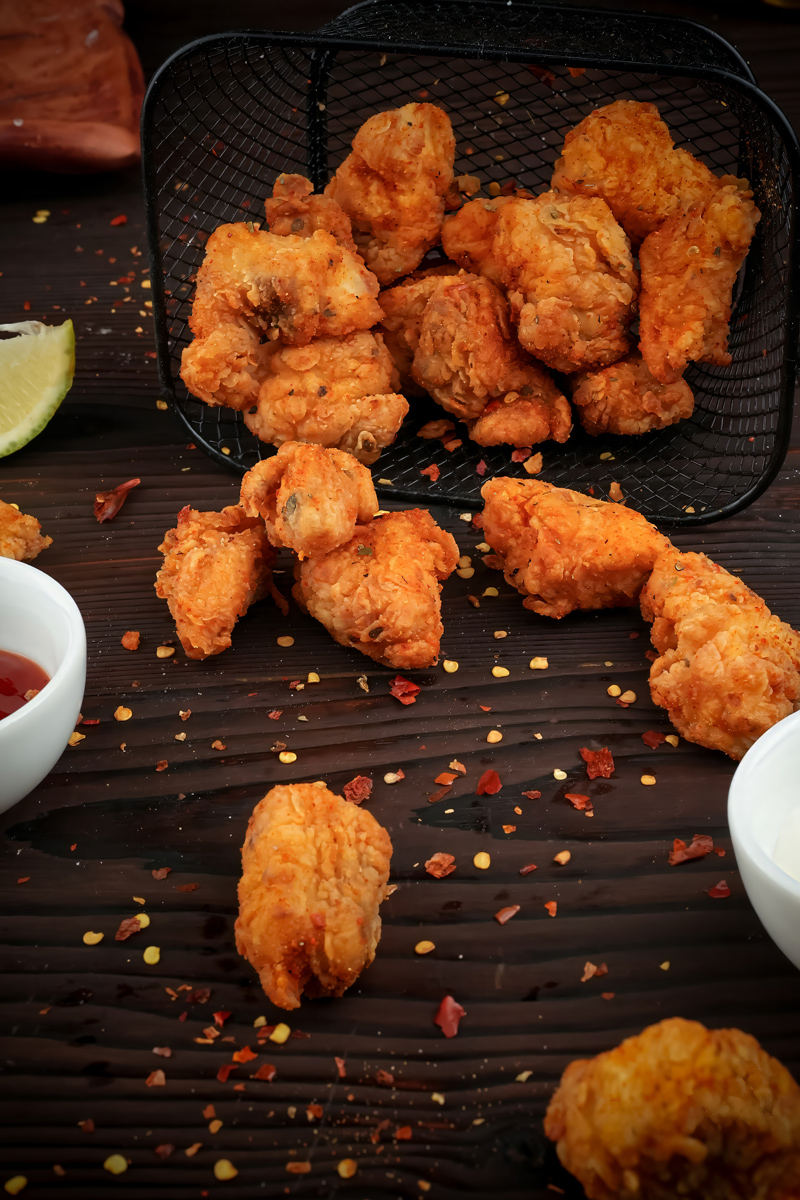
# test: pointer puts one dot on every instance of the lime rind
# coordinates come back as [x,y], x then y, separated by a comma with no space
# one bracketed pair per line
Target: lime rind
[36,372]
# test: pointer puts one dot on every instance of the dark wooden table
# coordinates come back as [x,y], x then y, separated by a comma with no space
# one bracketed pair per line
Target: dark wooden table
[460,1116]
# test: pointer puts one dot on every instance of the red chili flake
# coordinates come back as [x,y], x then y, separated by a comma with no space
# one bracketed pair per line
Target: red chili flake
[650,655]
[590,971]
[440,794]
[24,879]
[485,707]
[161,873]
[543,74]
[439,865]
[480,467]
[448,1015]
[445,777]
[89,721]
[576,72]
[120,220]
[552,907]
[183,1016]
[533,795]
[74,846]
[186,887]
[298,1033]
[164,1150]
[404,690]
[375,1136]
[720,891]
[505,914]
[598,762]
[156,1079]
[209,1112]
[87,1126]
[276,712]
[489,784]
[244,1055]
[27,306]
[579,801]
[386,1078]
[458,766]
[432,472]
[265,1072]
[162,1051]
[220,1017]
[653,738]
[607,995]
[340,1067]
[218,745]
[526,870]
[403,1133]
[131,639]
[358,789]
[162,764]
[108,504]
[127,928]
[314,1112]
[523,453]
[198,996]
[634,634]
[477,521]
[701,845]
[224,1072]
[264,1031]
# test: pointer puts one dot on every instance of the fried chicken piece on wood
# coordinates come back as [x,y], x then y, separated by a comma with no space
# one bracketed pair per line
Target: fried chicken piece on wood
[403,306]
[729,669]
[468,237]
[19,534]
[689,267]
[626,398]
[563,550]
[393,186]
[314,871]
[380,593]
[216,564]
[293,208]
[679,1110]
[309,498]
[336,392]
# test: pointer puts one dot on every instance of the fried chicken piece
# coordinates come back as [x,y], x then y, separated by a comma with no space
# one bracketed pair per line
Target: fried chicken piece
[314,871]
[403,306]
[293,208]
[380,593]
[19,534]
[309,498]
[468,237]
[728,668]
[393,186]
[254,285]
[625,398]
[335,392]
[216,564]
[522,419]
[563,550]
[679,1110]
[689,267]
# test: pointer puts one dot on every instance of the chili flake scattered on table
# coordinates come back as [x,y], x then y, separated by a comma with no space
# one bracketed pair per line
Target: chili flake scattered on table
[533,794]
[505,914]
[224,1072]
[701,845]
[358,789]
[590,971]
[120,220]
[432,472]
[156,1079]
[599,763]
[653,738]
[404,690]
[265,1073]
[186,887]
[448,1015]
[720,891]
[162,1051]
[385,1078]
[108,504]
[218,745]
[130,640]
[580,802]
[340,1067]
[489,784]
[440,865]
[244,1055]
[552,907]
[161,872]
[127,928]
[526,870]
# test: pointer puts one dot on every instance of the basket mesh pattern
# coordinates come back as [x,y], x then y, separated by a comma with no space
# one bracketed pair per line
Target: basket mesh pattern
[229,114]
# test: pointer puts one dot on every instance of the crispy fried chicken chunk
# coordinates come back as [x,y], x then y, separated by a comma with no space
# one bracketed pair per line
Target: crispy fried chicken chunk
[380,593]
[626,398]
[314,871]
[403,306]
[216,564]
[563,550]
[294,209]
[468,236]
[728,668]
[679,1110]
[19,534]
[393,186]
[689,266]
[310,498]
[335,392]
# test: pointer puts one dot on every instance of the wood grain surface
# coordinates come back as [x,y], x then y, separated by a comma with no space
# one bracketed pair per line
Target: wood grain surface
[81,1022]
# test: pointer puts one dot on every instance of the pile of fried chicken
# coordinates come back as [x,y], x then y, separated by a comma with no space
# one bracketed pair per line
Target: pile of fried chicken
[320,327]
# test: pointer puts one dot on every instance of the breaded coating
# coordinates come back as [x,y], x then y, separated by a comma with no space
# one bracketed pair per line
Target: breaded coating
[689,267]
[393,186]
[309,498]
[571,282]
[216,564]
[380,593]
[563,550]
[468,236]
[625,398]
[679,1111]
[314,871]
[403,306]
[624,153]
[525,419]
[19,534]
[294,209]
[728,668]
[334,392]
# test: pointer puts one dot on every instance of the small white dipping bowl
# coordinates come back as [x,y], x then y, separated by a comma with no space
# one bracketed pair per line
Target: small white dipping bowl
[41,621]
[764,791]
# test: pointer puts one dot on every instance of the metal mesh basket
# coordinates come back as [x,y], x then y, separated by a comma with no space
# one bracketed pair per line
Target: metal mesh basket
[227,114]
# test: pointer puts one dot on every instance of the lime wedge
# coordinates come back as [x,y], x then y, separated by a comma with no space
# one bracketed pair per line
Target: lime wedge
[36,370]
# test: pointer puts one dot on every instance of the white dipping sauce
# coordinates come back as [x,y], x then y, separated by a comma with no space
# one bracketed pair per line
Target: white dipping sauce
[786,854]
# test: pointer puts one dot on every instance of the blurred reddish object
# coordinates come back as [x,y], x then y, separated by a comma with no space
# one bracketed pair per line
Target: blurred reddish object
[71,86]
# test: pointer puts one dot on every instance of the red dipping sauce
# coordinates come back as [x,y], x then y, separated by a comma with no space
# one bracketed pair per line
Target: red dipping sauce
[18,675]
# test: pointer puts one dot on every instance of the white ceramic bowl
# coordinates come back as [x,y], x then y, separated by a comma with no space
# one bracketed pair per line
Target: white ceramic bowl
[764,791]
[39,619]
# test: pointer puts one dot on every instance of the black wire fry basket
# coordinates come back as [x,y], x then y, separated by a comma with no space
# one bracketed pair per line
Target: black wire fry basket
[225,115]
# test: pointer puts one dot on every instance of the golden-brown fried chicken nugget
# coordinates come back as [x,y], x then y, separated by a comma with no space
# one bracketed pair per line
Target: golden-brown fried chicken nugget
[314,871]
[626,398]
[728,668]
[19,534]
[380,593]
[679,1110]
[468,237]
[563,550]
[334,392]
[689,267]
[310,498]
[293,208]
[216,564]
[403,306]
[535,414]
[393,186]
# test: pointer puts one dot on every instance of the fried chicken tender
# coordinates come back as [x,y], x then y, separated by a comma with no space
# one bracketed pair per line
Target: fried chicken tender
[314,871]
[625,398]
[216,564]
[403,306]
[19,534]
[309,498]
[679,1110]
[468,237]
[689,267]
[563,550]
[728,668]
[393,186]
[380,593]
[294,209]
[336,392]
